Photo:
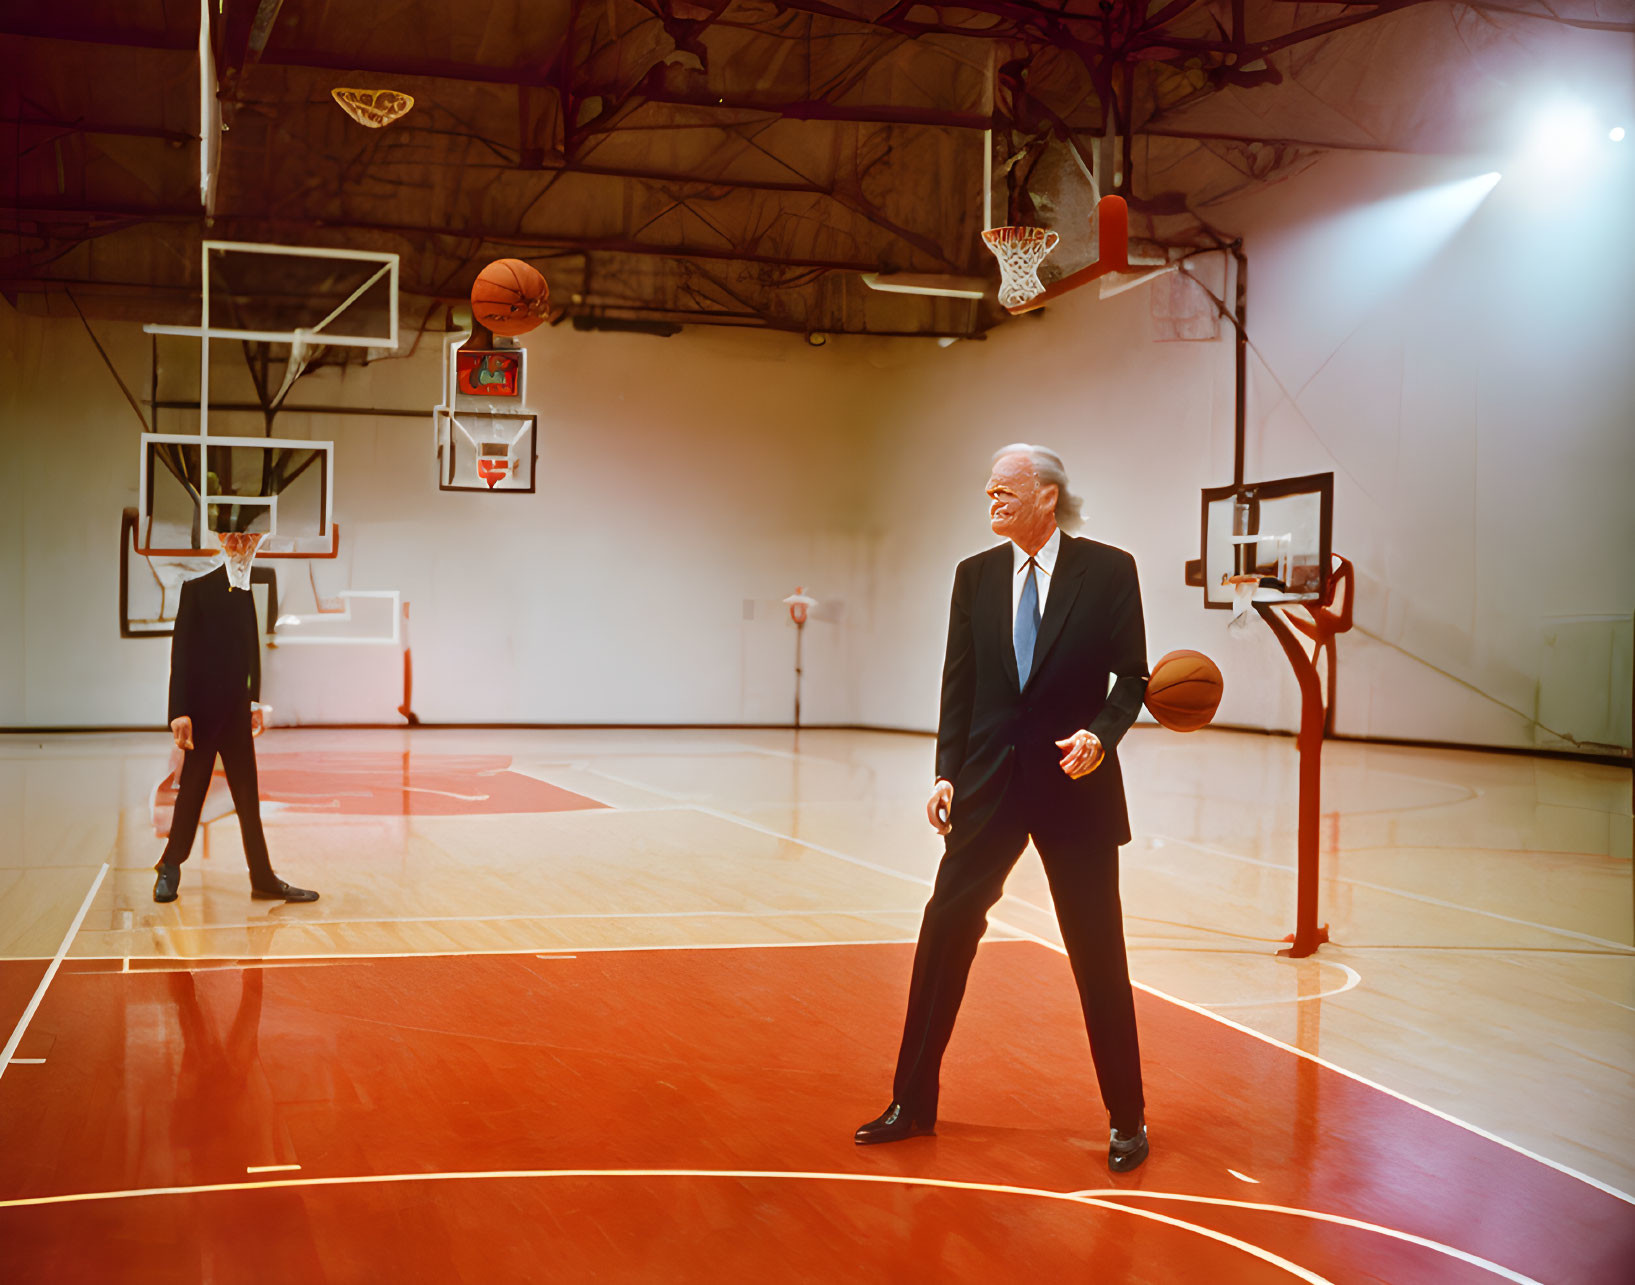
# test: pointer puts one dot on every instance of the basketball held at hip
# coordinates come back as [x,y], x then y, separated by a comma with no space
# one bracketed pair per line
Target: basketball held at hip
[1184,691]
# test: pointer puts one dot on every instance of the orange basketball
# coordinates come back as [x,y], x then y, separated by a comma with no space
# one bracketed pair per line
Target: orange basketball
[1184,690]
[509,297]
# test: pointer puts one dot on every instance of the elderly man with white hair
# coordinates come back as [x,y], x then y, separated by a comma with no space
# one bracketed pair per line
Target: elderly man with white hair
[1027,739]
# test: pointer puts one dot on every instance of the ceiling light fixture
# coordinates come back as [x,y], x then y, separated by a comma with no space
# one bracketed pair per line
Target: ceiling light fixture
[948,286]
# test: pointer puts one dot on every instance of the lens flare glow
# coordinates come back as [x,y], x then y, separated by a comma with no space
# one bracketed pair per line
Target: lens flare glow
[1562,134]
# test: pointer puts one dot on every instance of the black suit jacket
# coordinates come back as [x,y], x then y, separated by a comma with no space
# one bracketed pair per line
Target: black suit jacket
[995,737]
[215,655]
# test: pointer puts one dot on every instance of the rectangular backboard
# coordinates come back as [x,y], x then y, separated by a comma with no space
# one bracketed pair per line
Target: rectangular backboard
[296,294]
[346,298]
[487,451]
[1282,531]
[189,486]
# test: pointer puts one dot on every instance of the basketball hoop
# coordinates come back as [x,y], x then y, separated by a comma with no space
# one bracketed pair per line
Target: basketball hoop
[1020,251]
[799,604]
[1243,597]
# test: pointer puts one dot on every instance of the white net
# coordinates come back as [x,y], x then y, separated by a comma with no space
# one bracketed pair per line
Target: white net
[1020,251]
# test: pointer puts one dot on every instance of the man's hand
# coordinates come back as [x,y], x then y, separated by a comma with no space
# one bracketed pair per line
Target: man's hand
[1081,753]
[258,718]
[940,805]
[181,731]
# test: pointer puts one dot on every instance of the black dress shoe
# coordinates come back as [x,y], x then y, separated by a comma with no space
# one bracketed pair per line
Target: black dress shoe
[1126,1151]
[895,1124]
[170,878]
[278,890]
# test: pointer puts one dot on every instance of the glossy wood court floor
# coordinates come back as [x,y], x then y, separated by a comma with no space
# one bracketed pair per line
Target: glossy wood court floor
[606,1006]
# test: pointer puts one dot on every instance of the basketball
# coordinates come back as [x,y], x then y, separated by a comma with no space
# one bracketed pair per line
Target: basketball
[509,297]
[1184,691]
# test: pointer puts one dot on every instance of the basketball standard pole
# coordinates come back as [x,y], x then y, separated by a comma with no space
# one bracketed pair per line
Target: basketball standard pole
[799,605]
[1324,625]
[1316,697]
[800,632]
[1240,322]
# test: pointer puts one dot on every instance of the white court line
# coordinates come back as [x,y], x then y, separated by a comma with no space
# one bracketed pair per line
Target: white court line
[1622,947]
[1353,978]
[236,966]
[626,781]
[50,972]
[1243,1177]
[1225,1021]
[314,922]
[364,957]
[28,1061]
[269,1168]
[737,1175]
[1339,1220]
[815,847]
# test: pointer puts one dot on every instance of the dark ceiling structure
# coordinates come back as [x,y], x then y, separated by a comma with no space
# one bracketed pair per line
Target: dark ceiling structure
[680,162]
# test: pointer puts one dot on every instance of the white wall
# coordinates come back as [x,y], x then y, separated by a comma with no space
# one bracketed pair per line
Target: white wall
[678,479]
[68,440]
[1474,401]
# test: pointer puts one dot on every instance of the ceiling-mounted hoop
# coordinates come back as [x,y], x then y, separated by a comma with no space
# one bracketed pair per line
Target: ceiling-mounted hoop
[1020,251]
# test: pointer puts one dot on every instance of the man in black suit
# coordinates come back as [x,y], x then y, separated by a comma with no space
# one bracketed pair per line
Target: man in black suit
[1026,748]
[215,694]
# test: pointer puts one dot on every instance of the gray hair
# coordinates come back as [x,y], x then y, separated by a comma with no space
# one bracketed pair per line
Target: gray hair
[1051,472]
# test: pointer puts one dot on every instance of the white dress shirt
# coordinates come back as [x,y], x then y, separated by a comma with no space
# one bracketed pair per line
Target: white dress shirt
[1046,559]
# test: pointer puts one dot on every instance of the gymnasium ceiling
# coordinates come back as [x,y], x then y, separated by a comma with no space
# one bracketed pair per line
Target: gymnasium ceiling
[728,162]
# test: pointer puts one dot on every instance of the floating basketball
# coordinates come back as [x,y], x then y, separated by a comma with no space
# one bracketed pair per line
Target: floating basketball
[509,297]
[1184,691]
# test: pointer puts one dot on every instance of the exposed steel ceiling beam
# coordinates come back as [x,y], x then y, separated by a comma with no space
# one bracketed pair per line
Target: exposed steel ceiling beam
[431,68]
[870,114]
[571,244]
[80,34]
[102,127]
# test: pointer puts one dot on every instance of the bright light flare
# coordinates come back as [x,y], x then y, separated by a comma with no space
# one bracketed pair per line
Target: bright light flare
[1616,133]
[1560,139]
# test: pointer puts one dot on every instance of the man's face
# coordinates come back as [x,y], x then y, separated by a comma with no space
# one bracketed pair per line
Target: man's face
[1018,507]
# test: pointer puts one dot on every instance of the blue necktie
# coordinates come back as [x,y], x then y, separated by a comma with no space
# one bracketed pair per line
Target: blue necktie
[1025,632]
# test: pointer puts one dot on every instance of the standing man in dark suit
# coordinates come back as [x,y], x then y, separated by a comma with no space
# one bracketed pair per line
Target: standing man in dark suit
[215,694]
[1026,748]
